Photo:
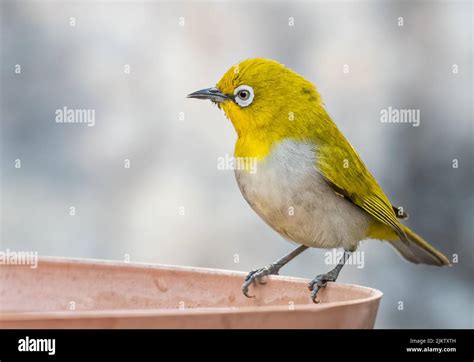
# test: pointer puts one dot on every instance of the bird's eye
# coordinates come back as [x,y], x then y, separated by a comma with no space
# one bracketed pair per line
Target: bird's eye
[243,95]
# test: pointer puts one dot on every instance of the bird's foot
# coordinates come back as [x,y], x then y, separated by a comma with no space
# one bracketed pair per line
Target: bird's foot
[257,275]
[320,282]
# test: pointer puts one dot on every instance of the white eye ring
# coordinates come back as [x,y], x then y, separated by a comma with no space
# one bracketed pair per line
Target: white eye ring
[243,95]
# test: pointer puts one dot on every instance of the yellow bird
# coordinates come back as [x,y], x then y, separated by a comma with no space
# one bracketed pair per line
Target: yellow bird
[310,184]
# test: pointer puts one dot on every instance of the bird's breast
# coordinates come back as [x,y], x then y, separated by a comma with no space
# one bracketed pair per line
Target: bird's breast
[287,191]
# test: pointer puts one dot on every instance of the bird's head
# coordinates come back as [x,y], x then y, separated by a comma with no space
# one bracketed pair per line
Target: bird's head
[262,95]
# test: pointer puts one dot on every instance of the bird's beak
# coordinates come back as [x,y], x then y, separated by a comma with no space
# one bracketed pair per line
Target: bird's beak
[212,94]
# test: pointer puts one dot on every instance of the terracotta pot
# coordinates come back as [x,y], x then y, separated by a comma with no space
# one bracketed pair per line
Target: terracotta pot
[65,293]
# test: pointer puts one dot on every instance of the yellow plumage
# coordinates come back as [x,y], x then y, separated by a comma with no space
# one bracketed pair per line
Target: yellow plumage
[280,117]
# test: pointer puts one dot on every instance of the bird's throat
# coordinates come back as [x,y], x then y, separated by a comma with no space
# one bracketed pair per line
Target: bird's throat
[254,146]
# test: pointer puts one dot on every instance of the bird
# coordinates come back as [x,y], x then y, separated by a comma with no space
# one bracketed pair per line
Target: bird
[310,185]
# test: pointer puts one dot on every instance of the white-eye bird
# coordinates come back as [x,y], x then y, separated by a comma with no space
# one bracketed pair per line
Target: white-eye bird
[310,185]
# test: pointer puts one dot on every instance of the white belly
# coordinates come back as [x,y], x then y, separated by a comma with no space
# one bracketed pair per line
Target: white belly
[291,196]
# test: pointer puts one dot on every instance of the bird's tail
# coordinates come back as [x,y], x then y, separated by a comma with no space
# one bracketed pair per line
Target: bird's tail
[417,250]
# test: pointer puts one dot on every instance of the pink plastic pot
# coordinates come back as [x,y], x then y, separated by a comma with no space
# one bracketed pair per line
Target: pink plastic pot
[65,293]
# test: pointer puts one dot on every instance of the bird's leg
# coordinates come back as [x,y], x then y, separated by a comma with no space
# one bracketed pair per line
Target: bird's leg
[272,269]
[321,280]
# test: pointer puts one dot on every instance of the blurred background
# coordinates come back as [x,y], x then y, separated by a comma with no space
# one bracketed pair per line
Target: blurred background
[133,63]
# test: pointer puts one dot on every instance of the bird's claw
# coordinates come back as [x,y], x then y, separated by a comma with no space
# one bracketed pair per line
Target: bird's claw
[320,282]
[257,275]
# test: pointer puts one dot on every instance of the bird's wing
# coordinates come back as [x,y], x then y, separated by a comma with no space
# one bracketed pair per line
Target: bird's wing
[344,171]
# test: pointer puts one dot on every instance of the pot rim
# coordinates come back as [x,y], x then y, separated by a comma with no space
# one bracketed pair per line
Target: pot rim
[374,294]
